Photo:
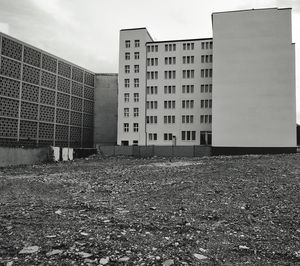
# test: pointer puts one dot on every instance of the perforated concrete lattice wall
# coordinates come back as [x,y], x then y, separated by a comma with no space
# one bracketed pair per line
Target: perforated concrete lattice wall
[44,100]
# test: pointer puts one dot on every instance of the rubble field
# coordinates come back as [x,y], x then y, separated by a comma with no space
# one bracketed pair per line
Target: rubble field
[235,210]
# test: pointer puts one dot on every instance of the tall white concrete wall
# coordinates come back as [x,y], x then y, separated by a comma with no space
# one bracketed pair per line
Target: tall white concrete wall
[253,79]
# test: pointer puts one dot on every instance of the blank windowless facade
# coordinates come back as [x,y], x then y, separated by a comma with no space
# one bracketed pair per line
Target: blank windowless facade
[254,80]
[44,100]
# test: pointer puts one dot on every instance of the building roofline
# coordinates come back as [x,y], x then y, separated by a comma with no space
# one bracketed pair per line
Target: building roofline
[142,28]
[44,52]
[183,40]
[129,29]
[252,9]
[106,74]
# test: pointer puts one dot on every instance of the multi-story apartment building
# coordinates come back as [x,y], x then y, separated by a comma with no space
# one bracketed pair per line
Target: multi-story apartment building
[165,93]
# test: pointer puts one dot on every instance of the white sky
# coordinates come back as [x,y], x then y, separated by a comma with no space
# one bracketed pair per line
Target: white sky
[86,32]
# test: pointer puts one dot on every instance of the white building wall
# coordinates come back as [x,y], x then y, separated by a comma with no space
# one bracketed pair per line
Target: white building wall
[132,35]
[161,128]
[254,79]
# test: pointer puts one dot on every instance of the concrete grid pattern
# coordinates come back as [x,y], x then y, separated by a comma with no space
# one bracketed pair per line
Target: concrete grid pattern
[44,100]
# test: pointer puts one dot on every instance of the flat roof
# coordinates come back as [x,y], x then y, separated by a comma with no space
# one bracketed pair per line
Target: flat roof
[142,28]
[183,40]
[253,9]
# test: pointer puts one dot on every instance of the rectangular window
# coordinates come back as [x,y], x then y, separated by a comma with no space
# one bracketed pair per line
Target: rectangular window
[127,43]
[136,97]
[135,127]
[136,55]
[168,136]
[126,112]
[126,83]
[127,56]
[205,137]
[169,104]
[151,105]
[126,127]
[169,119]
[137,43]
[127,69]
[136,68]
[188,89]
[126,97]
[188,135]
[152,136]
[135,112]
[151,119]
[136,83]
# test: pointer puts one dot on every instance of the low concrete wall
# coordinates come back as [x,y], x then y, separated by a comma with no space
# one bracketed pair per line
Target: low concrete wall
[21,156]
[84,152]
[150,151]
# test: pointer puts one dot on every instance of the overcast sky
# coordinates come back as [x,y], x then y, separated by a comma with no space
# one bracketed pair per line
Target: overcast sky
[86,32]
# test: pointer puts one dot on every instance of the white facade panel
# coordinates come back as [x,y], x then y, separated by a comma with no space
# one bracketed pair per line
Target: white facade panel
[254,79]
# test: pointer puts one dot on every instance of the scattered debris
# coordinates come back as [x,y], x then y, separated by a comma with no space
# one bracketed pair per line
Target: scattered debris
[29,250]
[54,252]
[237,209]
[200,257]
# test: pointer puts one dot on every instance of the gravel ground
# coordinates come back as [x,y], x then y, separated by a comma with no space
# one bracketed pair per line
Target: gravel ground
[239,210]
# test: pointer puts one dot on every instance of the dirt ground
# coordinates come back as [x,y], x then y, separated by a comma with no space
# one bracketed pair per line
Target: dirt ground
[240,210]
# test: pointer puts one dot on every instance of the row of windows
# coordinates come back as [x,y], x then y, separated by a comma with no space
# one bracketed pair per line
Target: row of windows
[127,96]
[205,136]
[206,103]
[136,56]
[152,75]
[152,48]
[206,45]
[185,136]
[170,60]
[171,74]
[190,59]
[188,46]
[171,89]
[170,47]
[206,73]
[151,90]
[136,69]
[186,74]
[136,43]
[185,46]
[135,112]
[205,119]
[135,127]
[136,83]
[152,61]
[206,58]
[171,119]
[185,104]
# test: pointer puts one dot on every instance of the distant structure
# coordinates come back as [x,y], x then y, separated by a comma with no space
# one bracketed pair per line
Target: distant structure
[165,90]
[235,92]
[45,100]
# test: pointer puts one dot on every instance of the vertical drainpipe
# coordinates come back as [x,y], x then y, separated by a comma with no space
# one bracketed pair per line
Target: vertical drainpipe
[146,139]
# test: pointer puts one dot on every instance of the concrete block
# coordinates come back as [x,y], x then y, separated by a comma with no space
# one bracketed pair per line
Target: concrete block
[71,151]
[65,154]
